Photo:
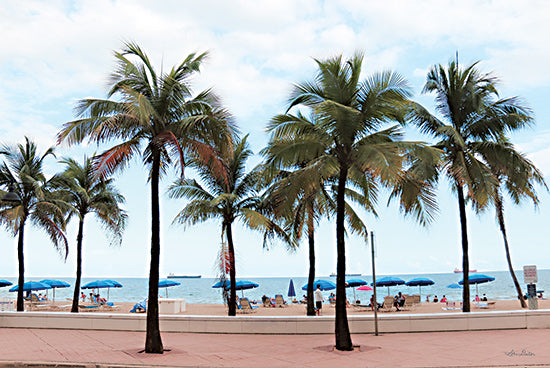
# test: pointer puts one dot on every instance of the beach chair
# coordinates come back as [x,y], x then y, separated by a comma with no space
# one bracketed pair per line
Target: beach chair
[267,303]
[246,307]
[279,301]
[409,302]
[388,304]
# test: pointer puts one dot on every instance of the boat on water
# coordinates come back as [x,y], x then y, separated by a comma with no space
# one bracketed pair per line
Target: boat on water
[347,274]
[460,271]
[172,276]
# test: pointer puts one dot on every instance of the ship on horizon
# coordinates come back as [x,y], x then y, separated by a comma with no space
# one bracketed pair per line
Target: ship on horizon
[173,276]
[347,274]
[460,271]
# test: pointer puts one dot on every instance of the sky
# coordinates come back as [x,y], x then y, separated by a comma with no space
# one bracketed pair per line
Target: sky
[53,53]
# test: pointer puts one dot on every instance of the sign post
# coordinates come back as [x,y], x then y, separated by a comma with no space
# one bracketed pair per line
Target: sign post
[530,277]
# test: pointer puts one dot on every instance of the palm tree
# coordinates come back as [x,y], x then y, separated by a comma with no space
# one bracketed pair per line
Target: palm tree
[355,150]
[89,193]
[515,175]
[34,200]
[302,195]
[467,100]
[156,111]
[228,196]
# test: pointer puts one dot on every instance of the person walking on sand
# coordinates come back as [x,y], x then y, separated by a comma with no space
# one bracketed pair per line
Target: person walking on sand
[318,299]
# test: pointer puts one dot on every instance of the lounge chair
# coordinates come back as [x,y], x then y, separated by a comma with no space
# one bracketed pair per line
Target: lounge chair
[267,303]
[409,302]
[107,305]
[279,301]
[246,306]
[140,307]
[87,308]
[388,304]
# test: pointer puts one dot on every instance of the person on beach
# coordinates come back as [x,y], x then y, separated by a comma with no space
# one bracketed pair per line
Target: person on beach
[444,299]
[318,299]
[477,298]
[83,297]
[484,298]
[435,299]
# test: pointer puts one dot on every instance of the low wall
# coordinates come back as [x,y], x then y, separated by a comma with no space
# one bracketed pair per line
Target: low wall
[250,324]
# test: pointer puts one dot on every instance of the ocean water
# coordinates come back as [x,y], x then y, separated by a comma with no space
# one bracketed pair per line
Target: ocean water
[201,291]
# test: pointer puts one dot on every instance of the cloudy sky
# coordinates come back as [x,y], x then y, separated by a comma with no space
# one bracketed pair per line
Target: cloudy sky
[55,52]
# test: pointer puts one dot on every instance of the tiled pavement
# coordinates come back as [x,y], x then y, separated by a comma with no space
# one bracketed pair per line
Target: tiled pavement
[502,348]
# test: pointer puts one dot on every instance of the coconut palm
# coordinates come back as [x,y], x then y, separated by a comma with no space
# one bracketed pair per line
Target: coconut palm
[517,176]
[90,194]
[302,195]
[357,148]
[472,115]
[33,199]
[158,116]
[227,196]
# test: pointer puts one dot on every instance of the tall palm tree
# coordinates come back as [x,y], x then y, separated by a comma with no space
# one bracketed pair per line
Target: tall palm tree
[473,115]
[22,174]
[158,116]
[517,176]
[228,196]
[303,194]
[89,193]
[354,146]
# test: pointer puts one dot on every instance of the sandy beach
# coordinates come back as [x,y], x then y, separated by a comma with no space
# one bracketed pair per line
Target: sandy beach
[291,309]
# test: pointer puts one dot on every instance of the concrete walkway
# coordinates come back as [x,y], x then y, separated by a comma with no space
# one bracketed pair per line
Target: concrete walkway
[47,347]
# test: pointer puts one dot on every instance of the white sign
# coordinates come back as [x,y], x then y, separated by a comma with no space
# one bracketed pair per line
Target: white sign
[530,274]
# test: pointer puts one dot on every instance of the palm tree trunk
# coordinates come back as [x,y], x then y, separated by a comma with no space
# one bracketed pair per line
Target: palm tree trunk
[153,342]
[232,274]
[465,259]
[76,293]
[342,335]
[21,260]
[500,215]
[311,277]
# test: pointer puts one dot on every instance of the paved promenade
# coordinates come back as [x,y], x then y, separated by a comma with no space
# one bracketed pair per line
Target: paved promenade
[523,348]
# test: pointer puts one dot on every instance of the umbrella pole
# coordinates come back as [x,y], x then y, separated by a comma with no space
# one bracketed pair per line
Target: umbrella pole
[420,291]
[477,291]
[354,297]
[54,294]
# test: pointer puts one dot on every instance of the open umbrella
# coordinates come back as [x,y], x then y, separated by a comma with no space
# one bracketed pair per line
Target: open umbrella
[478,279]
[353,283]
[365,288]
[31,286]
[291,291]
[166,284]
[55,284]
[389,281]
[239,285]
[325,285]
[100,284]
[454,286]
[419,281]
[5,283]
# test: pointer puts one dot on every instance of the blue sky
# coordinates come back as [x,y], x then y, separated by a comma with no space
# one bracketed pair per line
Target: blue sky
[56,52]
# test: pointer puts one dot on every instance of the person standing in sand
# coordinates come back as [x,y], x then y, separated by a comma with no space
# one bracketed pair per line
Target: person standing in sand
[318,299]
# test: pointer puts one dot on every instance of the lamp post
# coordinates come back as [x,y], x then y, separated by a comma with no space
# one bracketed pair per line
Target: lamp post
[11,197]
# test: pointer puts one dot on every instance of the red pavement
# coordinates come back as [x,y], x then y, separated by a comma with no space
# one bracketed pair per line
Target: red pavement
[438,349]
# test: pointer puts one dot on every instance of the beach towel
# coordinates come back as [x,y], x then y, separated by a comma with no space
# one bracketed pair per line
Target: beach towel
[139,305]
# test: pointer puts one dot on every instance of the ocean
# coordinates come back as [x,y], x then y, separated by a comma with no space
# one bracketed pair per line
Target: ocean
[201,291]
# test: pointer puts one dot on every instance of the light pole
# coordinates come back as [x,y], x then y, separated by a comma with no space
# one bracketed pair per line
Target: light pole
[374,302]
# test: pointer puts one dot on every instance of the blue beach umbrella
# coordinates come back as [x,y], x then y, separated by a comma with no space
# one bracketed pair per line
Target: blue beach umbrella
[5,283]
[389,281]
[55,284]
[420,281]
[116,284]
[101,284]
[353,283]
[166,284]
[31,286]
[325,285]
[454,286]
[239,285]
[291,291]
[478,279]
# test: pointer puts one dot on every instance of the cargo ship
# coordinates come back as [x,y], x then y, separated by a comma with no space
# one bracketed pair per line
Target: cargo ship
[172,276]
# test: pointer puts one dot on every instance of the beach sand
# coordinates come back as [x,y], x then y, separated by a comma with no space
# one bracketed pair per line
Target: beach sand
[291,309]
